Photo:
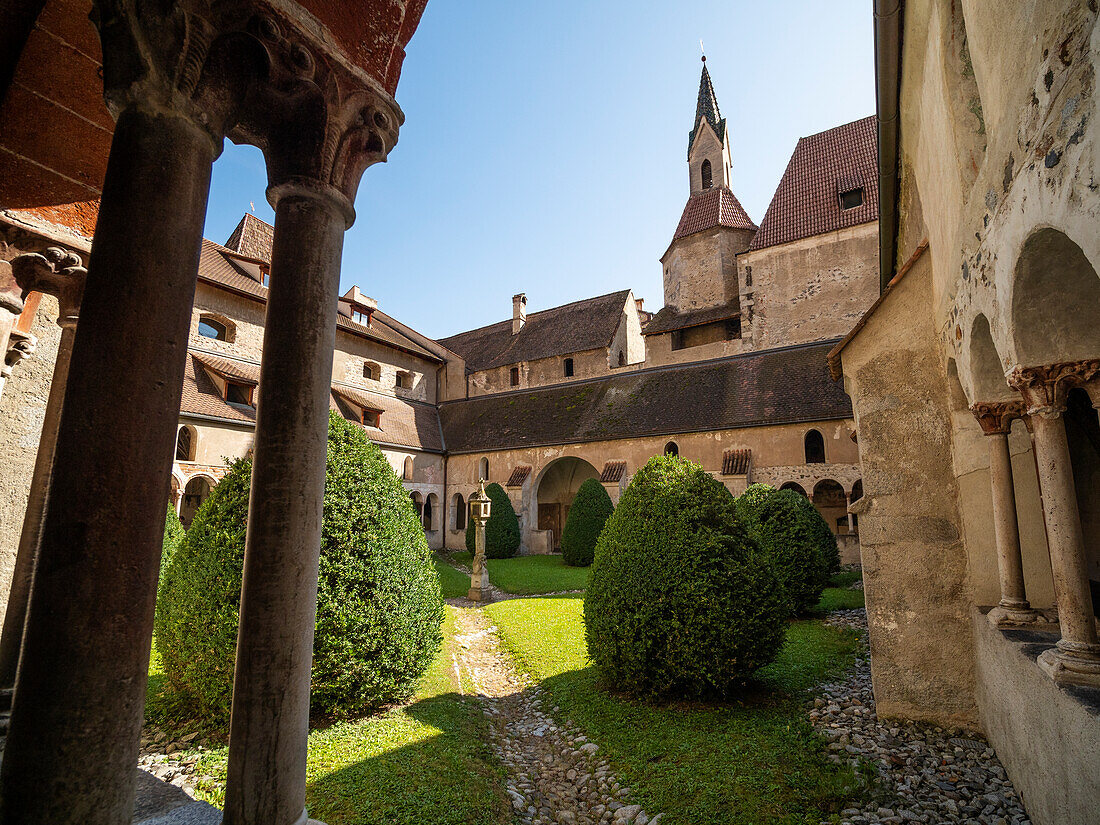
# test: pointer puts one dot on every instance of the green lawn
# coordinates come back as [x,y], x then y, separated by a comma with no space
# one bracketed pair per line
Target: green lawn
[530,575]
[752,761]
[421,764]
[454,583]
[837,596]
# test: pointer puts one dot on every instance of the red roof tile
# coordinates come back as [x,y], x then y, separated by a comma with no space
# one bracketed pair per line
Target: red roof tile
[519,475]
[404,423]
[807,200]
[710,208]
[201,395]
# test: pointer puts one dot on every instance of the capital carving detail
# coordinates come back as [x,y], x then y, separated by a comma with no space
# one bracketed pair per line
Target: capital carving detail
[996,417]
[20,345]
[1044,388]
[54,272]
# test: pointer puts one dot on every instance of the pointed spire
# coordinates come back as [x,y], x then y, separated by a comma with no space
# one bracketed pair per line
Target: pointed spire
[707,107]
[708,104]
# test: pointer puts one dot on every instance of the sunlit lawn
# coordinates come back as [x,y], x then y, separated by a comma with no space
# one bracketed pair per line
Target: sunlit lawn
[753,761]
[422,764]
[454,583]
[527,575]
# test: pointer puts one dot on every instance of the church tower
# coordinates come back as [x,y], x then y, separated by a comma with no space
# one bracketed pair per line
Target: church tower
[700,268]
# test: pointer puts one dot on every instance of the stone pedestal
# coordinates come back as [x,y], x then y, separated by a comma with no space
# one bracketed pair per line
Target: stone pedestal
[479,577]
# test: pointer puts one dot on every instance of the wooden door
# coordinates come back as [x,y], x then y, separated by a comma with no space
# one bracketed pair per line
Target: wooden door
[550,519]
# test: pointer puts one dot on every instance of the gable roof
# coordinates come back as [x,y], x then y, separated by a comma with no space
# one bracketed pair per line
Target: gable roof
[760,388]
[252,238]
[807,200]
[575,327]
[201,395]
[224,267]
[717,206]
[405,423]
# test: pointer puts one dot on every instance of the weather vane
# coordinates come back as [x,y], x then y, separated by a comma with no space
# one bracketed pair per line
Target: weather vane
[701,49]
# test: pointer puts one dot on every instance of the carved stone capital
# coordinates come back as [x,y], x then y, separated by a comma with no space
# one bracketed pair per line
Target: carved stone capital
[996,417]
[20,345]
[54,272]
[1044,389]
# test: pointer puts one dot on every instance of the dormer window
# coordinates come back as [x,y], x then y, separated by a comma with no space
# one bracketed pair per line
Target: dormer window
[265,274]
[240,394]
[706,174]
[211,327]
[851,198]
[371,418]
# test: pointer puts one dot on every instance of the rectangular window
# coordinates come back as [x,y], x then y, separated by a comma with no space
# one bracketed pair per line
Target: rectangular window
[404,380]
[515,376]
[372,418]
[238,394]
[851,199]
[568,368]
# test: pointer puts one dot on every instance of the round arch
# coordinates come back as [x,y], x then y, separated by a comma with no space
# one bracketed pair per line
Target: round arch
[458,512]
[187,442]
[814,444]
[555,488]
[195,492]
[483,469]
[431,512]
[832,503]
[794,485]
[407,468]
[1051,283]
[672,448]
[987,375]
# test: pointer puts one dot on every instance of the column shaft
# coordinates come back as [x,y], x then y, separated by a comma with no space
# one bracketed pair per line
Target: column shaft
[80,694]
[1064,535]
[270,721]
[1006,528]
[11,640]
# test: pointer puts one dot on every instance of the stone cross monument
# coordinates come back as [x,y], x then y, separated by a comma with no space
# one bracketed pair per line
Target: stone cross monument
[479,576]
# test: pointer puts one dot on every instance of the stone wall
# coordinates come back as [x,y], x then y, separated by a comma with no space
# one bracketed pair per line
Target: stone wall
[700,270]
[543,372]
[811,289]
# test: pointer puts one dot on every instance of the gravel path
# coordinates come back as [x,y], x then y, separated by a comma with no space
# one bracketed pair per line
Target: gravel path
[555,775]
[933,775]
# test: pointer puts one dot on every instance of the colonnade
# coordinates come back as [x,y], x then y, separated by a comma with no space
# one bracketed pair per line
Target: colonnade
[1043,392]
[179,78]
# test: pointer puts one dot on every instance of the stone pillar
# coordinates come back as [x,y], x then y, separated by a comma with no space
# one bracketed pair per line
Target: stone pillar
[80,690]
[57,273]
[315,158]
[996,420]
[1076,658]
[851,518]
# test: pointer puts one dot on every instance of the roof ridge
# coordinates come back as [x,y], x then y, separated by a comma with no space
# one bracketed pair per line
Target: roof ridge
[530,315]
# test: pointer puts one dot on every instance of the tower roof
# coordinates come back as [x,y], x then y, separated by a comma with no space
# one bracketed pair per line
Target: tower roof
[707,107]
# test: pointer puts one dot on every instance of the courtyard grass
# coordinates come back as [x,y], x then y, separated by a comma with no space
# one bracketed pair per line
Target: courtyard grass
[838,595]
[425,763]
[532,575]
[756,760]
[453,583]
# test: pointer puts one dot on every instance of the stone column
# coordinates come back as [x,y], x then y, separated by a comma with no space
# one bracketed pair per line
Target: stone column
[315,158]
[57,273]
[1076,658]
[851,518]
[996,420]
[80,691]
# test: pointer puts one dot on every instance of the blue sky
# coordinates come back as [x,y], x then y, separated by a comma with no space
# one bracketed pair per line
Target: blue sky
[544,147]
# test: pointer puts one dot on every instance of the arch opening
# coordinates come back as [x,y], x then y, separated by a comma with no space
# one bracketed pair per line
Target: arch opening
[483,470]
[458,512]
[672,448]
[194,494]
[987,374]
[407,469]
[557,487]
[1052,285]
[815,447]
[1083,436]
[831,502]
[706,174]
[794,485]
[185,444]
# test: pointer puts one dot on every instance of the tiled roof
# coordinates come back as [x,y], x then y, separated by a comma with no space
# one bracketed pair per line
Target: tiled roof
[575,327]
[201,395]
[807,201]
[613,471]
[669,319]
[404,423]
[519,475]
[228,368]
[771,387]
[219,265]
[717,206]
[252,238]
[736,462]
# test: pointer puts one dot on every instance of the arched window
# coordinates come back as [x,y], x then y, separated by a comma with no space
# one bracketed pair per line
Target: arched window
[404,380]
[430,507]
[483,469]
[211,327]
[408,471]
[459,504]
[371,370]
[568,367]
[514,376]
[184,443]
[622,358]
[672,448]
[706,174]
[815,448]
[418,503]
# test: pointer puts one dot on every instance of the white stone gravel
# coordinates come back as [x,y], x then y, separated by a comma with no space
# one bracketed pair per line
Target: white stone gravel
[927,774]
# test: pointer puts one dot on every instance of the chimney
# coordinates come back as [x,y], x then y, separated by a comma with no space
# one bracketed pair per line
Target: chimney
[519,312]
[638,303]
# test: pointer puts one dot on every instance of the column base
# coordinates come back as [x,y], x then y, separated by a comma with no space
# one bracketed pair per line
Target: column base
[1017,615]
[1072,667]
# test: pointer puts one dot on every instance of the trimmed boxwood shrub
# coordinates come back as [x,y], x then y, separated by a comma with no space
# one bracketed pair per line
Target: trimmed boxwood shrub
[591,508]
[681,601]
[173,535]
[788,526]
[502,529]
[379,608]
